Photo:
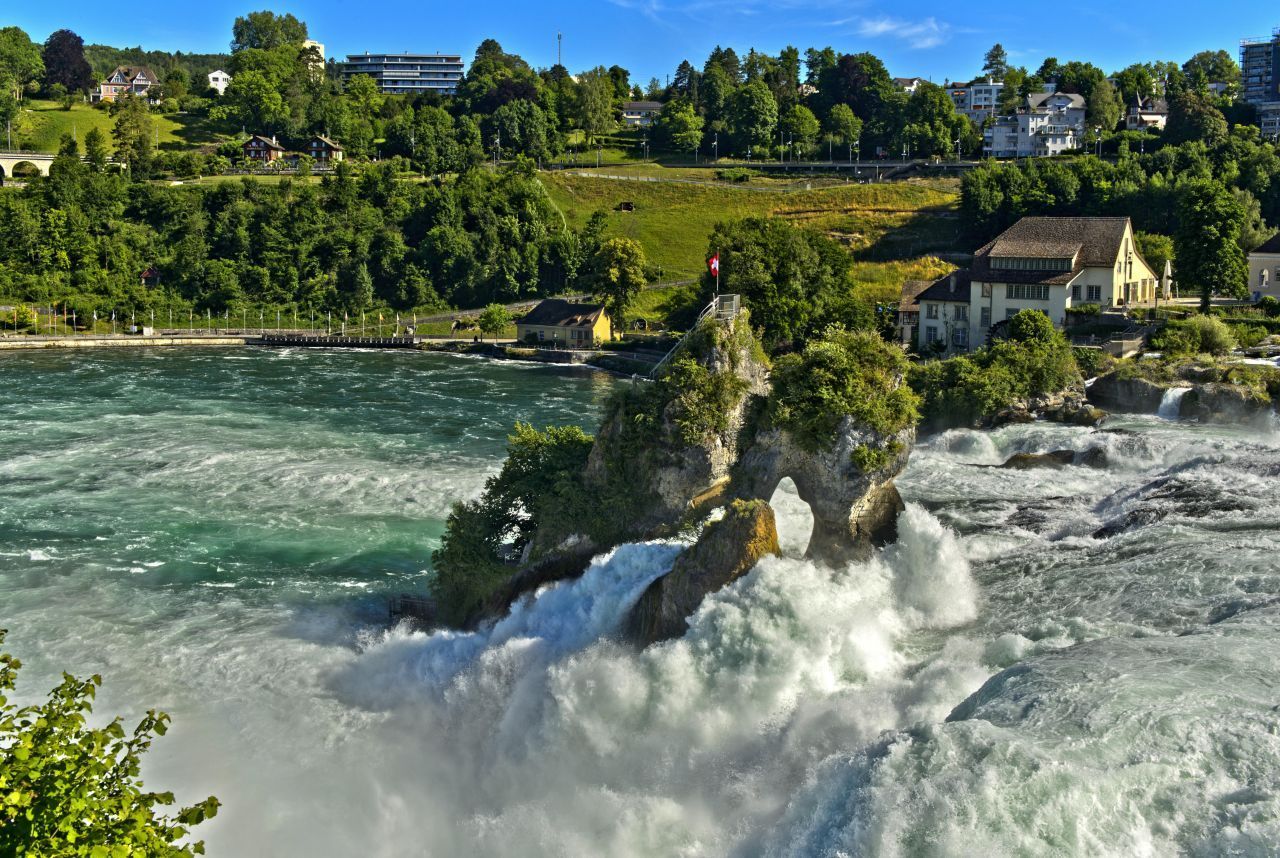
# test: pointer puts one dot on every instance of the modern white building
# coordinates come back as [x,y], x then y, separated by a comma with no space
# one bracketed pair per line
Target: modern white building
[979,100]
[218,81]
[1039,263]
[1050,124]
[407,74]
[1260,80]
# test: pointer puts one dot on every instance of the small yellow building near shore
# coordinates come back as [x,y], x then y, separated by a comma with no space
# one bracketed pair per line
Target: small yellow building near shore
[564,324]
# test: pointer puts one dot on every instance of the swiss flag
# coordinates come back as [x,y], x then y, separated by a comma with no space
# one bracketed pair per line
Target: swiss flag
[714,264]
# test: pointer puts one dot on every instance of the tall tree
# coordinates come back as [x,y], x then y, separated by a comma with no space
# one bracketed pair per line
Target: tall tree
[64,62]
[755,116]
[1104,108]
[266,31]
[617,276]
[1209,67]
[679,127]
[842,122]
[1207,241]
[595,103]
[995,62]
[95,149]
[133,132]
[800,122]
[20,61]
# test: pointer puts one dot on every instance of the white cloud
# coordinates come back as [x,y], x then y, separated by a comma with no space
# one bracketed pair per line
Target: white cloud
[925,33]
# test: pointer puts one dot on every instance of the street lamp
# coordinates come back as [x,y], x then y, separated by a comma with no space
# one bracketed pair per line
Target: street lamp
[715,145]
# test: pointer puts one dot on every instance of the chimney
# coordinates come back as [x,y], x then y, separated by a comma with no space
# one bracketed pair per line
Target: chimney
[273,140]
[953,281]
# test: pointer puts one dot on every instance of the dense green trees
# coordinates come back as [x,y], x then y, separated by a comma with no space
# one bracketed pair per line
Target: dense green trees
[361,236]
[72,790]
[20,61]
[969,389]
[795,281]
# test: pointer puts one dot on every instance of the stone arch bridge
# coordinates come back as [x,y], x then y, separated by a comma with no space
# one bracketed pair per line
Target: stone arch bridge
[11,159]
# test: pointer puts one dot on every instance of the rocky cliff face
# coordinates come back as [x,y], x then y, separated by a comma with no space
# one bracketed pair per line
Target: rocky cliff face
[726,550]
[1207,399]
[1116,393]
[670,471]
[854,510]
[670,451]
[1064,406]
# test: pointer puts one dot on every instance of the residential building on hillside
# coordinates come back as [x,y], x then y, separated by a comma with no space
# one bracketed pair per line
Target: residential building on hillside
[1051,123]
[909,310]
[407,74]
[1040,263]
[259,148]
[218,81]
[979,100]
[909,85]
[324,150]
[1260,79]
[1147,113]
[558,322]
[126,80]
[1264,269]
[640,114]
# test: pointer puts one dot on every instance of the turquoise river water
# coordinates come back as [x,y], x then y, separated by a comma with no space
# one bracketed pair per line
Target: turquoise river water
[1083,661]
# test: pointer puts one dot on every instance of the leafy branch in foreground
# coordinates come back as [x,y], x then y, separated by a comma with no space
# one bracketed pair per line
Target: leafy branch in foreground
[69,790]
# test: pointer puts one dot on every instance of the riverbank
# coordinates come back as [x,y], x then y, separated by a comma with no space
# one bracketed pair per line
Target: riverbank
[118,341]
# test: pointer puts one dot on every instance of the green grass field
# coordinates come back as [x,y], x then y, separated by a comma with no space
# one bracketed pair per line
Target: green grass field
[41,125]
[895,229]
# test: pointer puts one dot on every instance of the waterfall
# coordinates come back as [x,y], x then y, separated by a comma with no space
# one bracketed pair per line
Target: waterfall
[1171,403]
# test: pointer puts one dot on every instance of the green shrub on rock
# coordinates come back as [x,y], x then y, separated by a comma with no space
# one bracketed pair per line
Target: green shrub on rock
[843,373]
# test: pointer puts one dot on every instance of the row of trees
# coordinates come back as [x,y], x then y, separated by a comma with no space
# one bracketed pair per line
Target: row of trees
[359,238]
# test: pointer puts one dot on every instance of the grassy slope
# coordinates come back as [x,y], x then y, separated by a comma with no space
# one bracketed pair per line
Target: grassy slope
[895,228]
[42,124]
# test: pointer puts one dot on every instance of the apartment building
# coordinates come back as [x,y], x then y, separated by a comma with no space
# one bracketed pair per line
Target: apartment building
[1260,79]
[1051,123]
[979,100]
[407,74]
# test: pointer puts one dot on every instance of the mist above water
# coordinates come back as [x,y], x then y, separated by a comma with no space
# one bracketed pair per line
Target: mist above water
[217,535]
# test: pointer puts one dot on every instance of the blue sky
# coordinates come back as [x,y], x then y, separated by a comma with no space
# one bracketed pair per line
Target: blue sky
[933,39]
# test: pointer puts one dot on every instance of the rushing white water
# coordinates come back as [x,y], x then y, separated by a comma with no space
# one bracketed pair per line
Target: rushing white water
[1171,403]
[1071,661]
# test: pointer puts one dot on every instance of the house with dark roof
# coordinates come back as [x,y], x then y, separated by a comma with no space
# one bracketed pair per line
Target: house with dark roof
[909,310]
[1039,263]
[324,150]
[1147,113]
[127,80]
[562,323]
[1264,269]
[264,149]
